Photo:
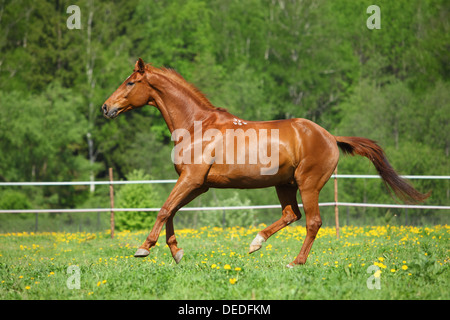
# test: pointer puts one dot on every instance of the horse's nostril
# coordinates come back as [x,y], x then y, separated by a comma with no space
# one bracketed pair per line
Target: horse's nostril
[104,108]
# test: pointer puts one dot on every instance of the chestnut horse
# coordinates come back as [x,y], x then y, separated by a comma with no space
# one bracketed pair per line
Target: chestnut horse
[303,155]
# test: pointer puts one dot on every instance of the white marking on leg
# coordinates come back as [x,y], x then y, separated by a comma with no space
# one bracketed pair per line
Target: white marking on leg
[256,243]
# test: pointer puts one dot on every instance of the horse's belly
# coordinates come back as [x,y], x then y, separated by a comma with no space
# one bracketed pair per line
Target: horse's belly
[247,176]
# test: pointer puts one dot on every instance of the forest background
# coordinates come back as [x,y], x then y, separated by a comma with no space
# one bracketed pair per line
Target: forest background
[262,60]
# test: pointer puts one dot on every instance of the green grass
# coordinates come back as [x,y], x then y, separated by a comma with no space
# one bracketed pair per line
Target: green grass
[414,264]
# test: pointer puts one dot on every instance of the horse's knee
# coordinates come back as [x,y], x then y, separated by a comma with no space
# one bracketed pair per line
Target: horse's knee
[171,241]
[313,225]
[163,214]
[290,216]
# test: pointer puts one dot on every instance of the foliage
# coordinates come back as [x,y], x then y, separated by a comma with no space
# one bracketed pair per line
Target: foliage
[11,199]
[229,218]
[136,196]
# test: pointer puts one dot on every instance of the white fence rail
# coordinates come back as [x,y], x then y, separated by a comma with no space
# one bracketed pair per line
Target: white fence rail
[274,206]
[80,183]
[326,204]
[336,204]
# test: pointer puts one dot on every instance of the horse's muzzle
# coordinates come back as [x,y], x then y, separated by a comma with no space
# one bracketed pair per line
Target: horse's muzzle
[109,114]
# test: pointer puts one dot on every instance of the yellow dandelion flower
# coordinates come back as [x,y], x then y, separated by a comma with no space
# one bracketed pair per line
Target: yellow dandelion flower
[213,266]
[227,267]
[27,287]
[237,269]
[404,267]
[233,280]
[377,274]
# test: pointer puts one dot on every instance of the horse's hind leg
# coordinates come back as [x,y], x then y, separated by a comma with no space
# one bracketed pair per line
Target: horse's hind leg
[177,253]
[310,184]
[287,195]
[310,199]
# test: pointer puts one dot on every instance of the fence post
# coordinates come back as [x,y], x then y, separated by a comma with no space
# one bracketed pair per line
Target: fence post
[111,198]
[336,209]
[223,219]
[36,221]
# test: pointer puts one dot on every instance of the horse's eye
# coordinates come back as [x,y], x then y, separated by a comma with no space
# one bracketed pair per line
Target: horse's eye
[130,83]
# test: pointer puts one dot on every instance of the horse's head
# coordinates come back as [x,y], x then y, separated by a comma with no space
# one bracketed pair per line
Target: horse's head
[132,93]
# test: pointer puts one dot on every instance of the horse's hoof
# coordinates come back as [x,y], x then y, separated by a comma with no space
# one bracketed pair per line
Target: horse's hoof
[290,265]
[140,253]
[178,256]
[256,243]
[254,248]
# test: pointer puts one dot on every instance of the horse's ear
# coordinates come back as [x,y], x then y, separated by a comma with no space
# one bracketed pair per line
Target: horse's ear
[140,66]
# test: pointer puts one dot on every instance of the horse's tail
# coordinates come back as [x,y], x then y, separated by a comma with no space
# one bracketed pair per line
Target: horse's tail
[372,151]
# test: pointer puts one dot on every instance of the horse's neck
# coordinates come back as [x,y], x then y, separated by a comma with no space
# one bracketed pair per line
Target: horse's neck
[181,109]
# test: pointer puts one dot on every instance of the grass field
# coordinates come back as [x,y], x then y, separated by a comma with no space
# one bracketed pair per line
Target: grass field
[383,262]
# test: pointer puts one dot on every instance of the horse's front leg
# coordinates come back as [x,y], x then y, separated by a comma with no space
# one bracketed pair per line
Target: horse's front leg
[184,191]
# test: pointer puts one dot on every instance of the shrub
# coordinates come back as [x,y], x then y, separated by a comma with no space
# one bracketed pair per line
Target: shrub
[229,218]
[136,196]
[13,200]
